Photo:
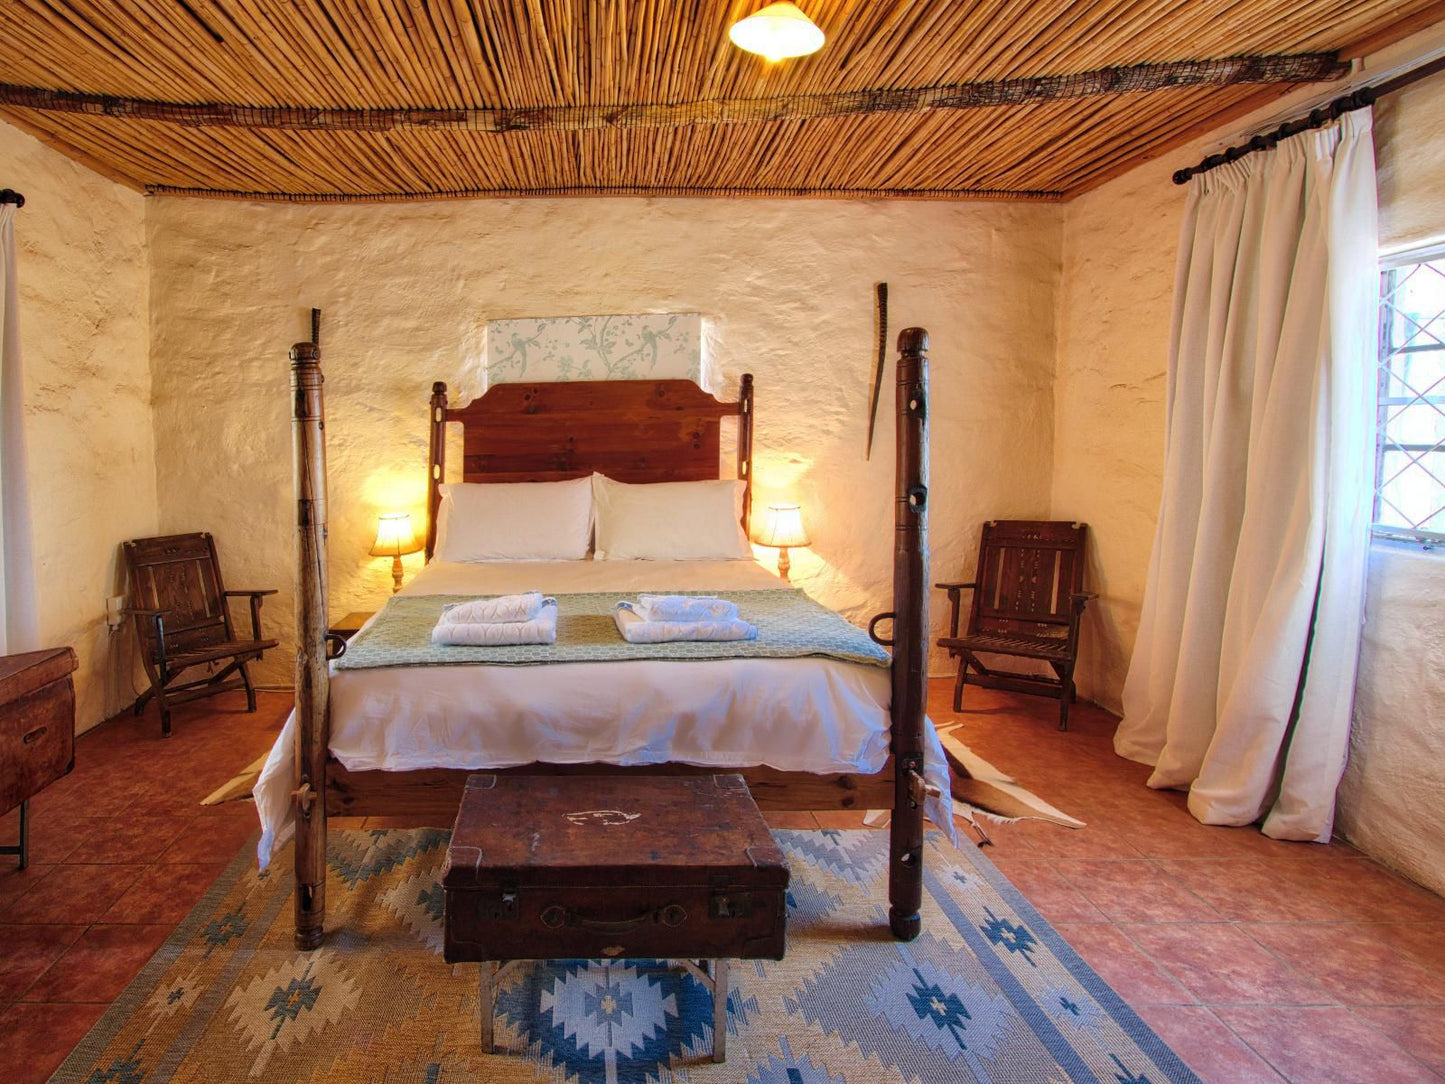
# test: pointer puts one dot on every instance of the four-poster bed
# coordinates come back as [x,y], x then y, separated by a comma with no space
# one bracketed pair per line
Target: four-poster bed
[669,430]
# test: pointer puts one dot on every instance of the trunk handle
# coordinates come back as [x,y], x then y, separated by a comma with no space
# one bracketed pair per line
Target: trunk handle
[671,915]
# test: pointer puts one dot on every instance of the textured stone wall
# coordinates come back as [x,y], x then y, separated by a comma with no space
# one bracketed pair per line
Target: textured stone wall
[1392,799]
[1410,135]
[786,289]
[1114,307]
[81,261]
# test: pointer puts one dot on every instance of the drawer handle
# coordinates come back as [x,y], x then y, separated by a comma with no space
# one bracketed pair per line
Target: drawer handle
[34,735]
[556,916]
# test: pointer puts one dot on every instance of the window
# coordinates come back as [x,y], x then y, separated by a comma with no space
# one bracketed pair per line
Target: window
[1410,438]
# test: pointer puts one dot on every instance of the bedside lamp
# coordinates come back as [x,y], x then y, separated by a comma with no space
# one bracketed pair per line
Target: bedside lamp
[782,529]
[395,537]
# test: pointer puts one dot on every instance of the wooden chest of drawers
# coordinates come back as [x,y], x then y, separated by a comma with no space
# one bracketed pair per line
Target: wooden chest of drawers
[37,728]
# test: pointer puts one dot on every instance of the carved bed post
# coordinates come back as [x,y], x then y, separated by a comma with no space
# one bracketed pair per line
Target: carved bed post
[910,635]
[308,434]
[436,462]
[745,447]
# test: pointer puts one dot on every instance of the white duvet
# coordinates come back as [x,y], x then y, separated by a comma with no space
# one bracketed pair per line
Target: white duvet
[806,715]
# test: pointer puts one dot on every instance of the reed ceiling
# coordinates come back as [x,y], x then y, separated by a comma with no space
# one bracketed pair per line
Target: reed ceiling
[580,92]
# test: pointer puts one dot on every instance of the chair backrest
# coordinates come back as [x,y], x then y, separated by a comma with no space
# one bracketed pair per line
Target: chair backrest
[1027,569]
[178,573]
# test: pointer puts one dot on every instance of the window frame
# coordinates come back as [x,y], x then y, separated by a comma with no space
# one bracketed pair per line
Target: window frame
[1393,261]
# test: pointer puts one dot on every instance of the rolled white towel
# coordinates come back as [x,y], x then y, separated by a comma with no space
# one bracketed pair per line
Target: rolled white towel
[637,631]
[686,608]
[542,629]
[489,611]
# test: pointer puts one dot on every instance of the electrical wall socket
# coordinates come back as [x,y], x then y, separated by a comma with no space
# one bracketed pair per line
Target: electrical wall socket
[113,607]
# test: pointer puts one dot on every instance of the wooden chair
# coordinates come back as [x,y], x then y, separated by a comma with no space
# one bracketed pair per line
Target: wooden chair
[1028,598]
[181,619]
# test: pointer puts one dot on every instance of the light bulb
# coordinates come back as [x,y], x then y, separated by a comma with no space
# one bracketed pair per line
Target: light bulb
[777,32]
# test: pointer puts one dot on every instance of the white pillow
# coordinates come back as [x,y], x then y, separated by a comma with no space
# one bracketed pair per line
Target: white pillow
[669,521]
[515,521]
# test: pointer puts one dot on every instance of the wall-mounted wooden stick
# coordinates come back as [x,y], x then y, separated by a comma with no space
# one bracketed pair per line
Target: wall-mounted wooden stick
[745,447]
[436,463]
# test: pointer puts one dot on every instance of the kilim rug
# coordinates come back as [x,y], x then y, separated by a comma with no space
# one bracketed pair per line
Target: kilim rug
[989,992]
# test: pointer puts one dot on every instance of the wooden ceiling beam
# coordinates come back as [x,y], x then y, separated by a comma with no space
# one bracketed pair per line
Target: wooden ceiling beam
[609,191]
[1226,71]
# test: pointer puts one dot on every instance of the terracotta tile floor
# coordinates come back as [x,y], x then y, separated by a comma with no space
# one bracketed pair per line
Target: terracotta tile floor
[1255,960]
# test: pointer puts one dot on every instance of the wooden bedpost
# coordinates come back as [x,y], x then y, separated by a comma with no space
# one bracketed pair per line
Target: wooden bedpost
[436,463]
[910,635]
[745,447]
[308,435]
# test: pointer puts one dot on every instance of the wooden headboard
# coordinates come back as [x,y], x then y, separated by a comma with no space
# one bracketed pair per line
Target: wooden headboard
[629,430]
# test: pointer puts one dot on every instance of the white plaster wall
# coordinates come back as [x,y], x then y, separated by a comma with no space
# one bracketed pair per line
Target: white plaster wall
[1119,245]
[786,288]
[81,261]
[1410,135]
[1392,798]
[1118,253]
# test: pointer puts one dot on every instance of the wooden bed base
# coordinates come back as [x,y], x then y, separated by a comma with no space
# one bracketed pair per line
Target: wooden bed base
[548,432]
[433,794]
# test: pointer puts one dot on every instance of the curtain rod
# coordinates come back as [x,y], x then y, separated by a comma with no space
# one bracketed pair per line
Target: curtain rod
[1316,118]
[9,195]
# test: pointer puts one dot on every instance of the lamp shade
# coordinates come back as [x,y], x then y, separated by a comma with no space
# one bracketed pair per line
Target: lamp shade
[783,527]
[394,535]
[776,32]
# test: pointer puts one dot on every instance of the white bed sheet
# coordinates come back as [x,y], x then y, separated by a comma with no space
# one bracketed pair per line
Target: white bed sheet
[808,715]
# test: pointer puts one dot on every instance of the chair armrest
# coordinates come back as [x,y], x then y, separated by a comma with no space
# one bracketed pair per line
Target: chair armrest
[255,597]
[158,618]
[955,597]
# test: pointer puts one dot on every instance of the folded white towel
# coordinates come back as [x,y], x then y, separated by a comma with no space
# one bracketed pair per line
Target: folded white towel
[542,629]
[686,608]
[637,631]
[487,611]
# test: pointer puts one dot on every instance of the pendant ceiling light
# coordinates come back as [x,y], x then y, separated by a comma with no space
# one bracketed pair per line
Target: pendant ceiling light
[778,31]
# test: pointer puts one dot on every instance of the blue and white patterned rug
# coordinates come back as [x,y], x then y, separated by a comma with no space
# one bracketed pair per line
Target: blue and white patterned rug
[989,992]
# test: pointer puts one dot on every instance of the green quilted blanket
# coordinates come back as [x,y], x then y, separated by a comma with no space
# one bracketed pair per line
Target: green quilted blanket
[790,626]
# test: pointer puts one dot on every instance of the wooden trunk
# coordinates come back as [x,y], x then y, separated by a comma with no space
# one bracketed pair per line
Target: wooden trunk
[37,730]
[552,867]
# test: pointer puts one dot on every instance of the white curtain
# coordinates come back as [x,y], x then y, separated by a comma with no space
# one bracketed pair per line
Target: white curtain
[19,619]
[1241,684]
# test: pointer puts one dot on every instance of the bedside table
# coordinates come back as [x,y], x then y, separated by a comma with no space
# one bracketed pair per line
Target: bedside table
[349,625]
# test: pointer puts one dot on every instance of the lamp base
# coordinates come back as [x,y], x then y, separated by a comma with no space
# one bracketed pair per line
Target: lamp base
[784,564]
[396,574]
